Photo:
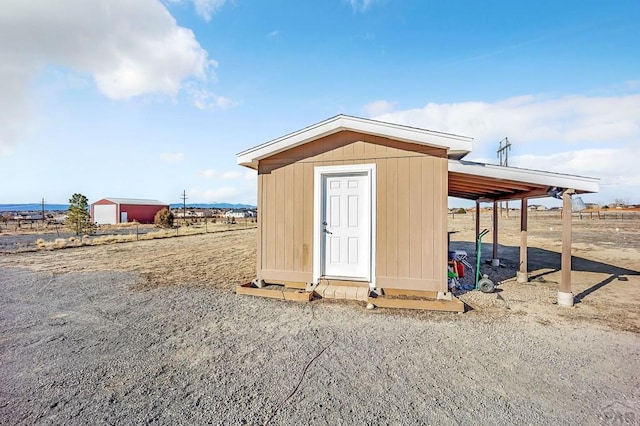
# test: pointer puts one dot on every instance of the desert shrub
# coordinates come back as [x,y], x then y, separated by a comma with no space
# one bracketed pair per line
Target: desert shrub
[59,243]
[460,211]
[163,218]
[41,243]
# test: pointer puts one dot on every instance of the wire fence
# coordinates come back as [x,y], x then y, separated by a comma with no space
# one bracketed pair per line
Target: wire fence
[610,215]
[27,235]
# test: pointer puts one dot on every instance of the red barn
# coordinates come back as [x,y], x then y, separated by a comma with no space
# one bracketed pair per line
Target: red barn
[110,211]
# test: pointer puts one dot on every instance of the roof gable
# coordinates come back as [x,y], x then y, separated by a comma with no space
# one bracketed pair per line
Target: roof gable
[456,146]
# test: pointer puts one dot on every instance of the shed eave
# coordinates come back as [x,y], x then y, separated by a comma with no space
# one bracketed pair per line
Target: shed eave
[458,146]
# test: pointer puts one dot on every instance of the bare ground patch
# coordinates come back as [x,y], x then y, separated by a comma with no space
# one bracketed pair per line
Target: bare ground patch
[151,332]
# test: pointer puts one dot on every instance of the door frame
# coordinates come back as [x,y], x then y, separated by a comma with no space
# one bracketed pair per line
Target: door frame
[319,172]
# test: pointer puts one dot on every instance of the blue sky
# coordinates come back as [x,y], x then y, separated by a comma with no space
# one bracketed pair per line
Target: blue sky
[148,98]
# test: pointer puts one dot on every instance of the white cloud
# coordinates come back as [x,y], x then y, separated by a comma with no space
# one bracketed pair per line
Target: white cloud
[231,175]
[378,107]
[204,8]
[587,136]
[614,166]
[172,157]
[617,169]
[205,99]
[129,48]
[209,173]
[360,5]
[574,119]
[207,8]
[212,174]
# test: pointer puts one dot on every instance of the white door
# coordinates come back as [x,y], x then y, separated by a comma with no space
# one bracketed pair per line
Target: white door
[346,226]
[104,214]
[123,217]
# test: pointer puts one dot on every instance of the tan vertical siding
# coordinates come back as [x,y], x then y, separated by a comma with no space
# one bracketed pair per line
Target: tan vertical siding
[381,216]
[298,216]
[427,219]
[402,218]
[307,249]
[279,213]
[270,222]
[415,216]
[411,209]
[288,213]
[392,217]
[441,256]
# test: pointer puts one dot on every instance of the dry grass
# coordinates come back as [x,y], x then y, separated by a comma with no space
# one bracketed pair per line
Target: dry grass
[606,267]
[86,240]
[215,259]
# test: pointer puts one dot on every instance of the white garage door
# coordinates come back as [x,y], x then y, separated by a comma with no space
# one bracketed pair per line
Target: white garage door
[104,214]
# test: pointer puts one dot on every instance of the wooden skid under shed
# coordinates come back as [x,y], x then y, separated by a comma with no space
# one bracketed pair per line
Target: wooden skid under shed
[394,298]
[279,292]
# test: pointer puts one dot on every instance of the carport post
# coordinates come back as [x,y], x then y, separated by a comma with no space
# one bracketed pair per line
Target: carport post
[495,261]
[522,272]
[565,297]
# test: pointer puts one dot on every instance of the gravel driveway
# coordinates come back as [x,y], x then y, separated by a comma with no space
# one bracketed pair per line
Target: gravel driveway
[98,348]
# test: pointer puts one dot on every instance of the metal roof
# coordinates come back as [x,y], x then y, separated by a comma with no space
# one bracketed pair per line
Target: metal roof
[456,146]
[136,201]
[488,182]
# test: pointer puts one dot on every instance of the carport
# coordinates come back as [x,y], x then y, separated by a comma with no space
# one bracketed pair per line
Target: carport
[485,183]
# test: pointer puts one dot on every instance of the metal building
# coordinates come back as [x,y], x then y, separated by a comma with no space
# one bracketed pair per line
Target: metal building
[111,211]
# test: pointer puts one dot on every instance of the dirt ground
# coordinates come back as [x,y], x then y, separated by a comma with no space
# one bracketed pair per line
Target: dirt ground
[152,332]
[605,269]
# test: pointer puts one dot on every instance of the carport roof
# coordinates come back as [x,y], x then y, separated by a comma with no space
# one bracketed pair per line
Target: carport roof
[487,182]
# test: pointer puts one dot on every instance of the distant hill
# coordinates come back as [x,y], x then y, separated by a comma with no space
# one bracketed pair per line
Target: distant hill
[35,207]
[213,206]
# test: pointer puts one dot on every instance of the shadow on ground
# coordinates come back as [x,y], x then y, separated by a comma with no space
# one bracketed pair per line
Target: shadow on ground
[546,260]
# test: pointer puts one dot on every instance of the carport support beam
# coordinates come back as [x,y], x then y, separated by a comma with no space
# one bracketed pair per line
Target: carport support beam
[495,261]
[565,297]
[522,272]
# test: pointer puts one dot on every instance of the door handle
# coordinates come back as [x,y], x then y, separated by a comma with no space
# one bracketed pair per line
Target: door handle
[327,232]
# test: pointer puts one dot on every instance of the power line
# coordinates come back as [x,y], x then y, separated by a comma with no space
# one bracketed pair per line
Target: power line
[503,155]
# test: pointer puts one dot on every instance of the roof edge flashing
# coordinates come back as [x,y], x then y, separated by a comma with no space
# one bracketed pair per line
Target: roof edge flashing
[459,145]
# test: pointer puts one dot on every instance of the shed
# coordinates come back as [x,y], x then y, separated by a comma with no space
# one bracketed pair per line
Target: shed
[364,202]
[111,211]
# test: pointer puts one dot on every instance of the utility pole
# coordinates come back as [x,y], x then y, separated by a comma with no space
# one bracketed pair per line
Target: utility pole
[184,206]
[503,155]
[43,212]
